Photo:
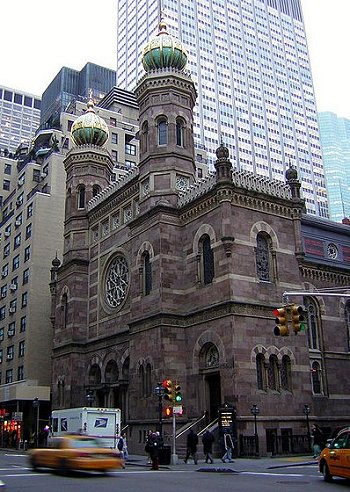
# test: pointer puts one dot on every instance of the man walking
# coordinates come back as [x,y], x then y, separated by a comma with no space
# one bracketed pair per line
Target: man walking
[207,441]
[192,441]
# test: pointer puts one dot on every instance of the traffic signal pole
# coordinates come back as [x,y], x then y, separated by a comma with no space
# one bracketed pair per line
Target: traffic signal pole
[174,457]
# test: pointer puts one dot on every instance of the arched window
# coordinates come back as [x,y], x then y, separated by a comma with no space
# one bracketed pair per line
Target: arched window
[148,380]
[142,380]
[180,132]
[316,378]
[347,323]
[96,190]
[272,373]
[144,137]
[312,324]
[64,310]
[208,260]
[263,257]
[95,375]
[286,373]
[260,371]
[162,131]
[81,197]
[147,274]
[111,372]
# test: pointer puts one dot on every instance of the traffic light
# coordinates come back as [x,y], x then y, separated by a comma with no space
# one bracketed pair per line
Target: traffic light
[298,318]
[168,390]
[178,394]
[167,411]
[281,320]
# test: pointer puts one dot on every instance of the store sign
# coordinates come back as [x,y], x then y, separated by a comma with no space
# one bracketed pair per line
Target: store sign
[18,416]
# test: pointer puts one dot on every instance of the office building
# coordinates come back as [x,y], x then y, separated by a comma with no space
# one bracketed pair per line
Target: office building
[164,276]
[19,118]
[335,140]
[250,64]
[69,84]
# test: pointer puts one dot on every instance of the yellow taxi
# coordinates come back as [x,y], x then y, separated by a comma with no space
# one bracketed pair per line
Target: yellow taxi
[76,452]
[334,460]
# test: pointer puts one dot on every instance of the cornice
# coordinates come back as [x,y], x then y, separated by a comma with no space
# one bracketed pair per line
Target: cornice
[324,274]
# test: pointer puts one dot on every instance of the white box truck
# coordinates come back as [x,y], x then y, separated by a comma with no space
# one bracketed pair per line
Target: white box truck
[103,423]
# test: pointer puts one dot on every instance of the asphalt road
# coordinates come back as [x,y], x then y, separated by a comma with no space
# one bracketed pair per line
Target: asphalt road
[18,477]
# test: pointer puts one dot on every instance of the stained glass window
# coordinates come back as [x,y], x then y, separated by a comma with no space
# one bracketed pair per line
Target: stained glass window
[263,257]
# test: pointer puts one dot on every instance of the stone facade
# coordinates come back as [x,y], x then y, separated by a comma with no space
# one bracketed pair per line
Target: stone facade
[164,276]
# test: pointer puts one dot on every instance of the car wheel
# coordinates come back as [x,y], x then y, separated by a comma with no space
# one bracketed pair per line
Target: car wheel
[325,472]
[63,466]
[34,464]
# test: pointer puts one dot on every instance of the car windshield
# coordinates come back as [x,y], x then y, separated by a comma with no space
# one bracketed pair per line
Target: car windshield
[85,443]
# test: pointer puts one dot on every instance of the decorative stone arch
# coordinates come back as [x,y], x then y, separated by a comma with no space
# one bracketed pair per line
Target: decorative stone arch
[109,362]
[258,349]
[262,226]
[203,229]
[146,246]
[125,358]
[286,351]
[313,294]
[94,362]
[272,350]
[207,337]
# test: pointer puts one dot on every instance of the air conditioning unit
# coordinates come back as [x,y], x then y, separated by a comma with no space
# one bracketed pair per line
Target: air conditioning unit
[12,310]
[9,357]
[11,333]
[43,175]
[3,295]
[3,275]
[13,286]
[18,223]
[18,203]
[7,233]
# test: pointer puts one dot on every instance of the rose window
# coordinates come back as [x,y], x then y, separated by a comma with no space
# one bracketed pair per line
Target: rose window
[117,281]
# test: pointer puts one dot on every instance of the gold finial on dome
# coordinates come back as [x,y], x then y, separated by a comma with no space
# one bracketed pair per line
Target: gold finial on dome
[162,27]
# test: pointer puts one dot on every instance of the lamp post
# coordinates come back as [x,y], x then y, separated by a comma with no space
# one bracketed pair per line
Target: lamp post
[306,411]
[36,406]
[255,411]
[159,391]
[89,397]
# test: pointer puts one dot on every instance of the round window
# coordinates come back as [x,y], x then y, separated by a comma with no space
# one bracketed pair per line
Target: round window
[117,281]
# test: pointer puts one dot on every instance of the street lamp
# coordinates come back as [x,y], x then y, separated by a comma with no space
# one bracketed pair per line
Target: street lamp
[255,411]
[159,391]
[89,397]
[306,411]
[36,405]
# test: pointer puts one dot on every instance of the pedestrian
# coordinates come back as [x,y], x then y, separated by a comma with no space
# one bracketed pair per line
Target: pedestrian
[192,441]
[228,446]
[152,447]
[148,454]
[125,447]
[317,440]
[207,441]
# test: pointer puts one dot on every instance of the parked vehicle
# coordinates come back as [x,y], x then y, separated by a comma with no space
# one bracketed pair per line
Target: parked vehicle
[75,452]
[102,423]
[334,460]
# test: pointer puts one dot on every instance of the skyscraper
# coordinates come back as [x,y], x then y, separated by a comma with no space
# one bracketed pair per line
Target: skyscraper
[250,63]
[335,140]
[69,84]
[19,118]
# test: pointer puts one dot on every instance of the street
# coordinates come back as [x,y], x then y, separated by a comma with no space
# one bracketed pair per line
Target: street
[17,476]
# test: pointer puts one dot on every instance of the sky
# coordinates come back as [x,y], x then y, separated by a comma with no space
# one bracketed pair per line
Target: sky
[39,37]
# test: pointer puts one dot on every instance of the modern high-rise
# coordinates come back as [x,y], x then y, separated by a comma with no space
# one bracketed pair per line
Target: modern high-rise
[19,118]
[69,84]
[335,140]
[250,63]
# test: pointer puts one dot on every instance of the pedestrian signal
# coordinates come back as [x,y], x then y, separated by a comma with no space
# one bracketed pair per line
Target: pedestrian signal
[281,322]
[168,411]
[298,318]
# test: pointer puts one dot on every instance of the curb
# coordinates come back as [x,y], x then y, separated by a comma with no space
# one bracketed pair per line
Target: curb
[287,465]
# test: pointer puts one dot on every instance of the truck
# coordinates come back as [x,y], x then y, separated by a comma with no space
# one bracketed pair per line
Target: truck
[103,423]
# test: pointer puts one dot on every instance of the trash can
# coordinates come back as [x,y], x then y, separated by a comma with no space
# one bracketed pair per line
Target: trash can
[165,455]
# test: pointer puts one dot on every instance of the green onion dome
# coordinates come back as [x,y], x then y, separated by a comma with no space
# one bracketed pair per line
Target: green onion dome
[164,51]
[89,128]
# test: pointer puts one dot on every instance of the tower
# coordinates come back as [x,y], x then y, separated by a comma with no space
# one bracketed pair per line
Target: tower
[250,65]
[166,96]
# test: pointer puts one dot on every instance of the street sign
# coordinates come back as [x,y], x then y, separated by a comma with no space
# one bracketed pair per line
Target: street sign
[178,410]
[17,416]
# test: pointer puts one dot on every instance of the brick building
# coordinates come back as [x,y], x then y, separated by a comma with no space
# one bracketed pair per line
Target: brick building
[164,276]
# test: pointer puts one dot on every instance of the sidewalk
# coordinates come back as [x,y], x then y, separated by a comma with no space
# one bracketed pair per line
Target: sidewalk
[239,464]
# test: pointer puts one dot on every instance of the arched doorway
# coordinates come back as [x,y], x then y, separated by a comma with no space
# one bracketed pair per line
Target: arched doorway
[209,367]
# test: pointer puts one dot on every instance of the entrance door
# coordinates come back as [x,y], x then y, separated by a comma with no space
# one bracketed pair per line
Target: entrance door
[213,385]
